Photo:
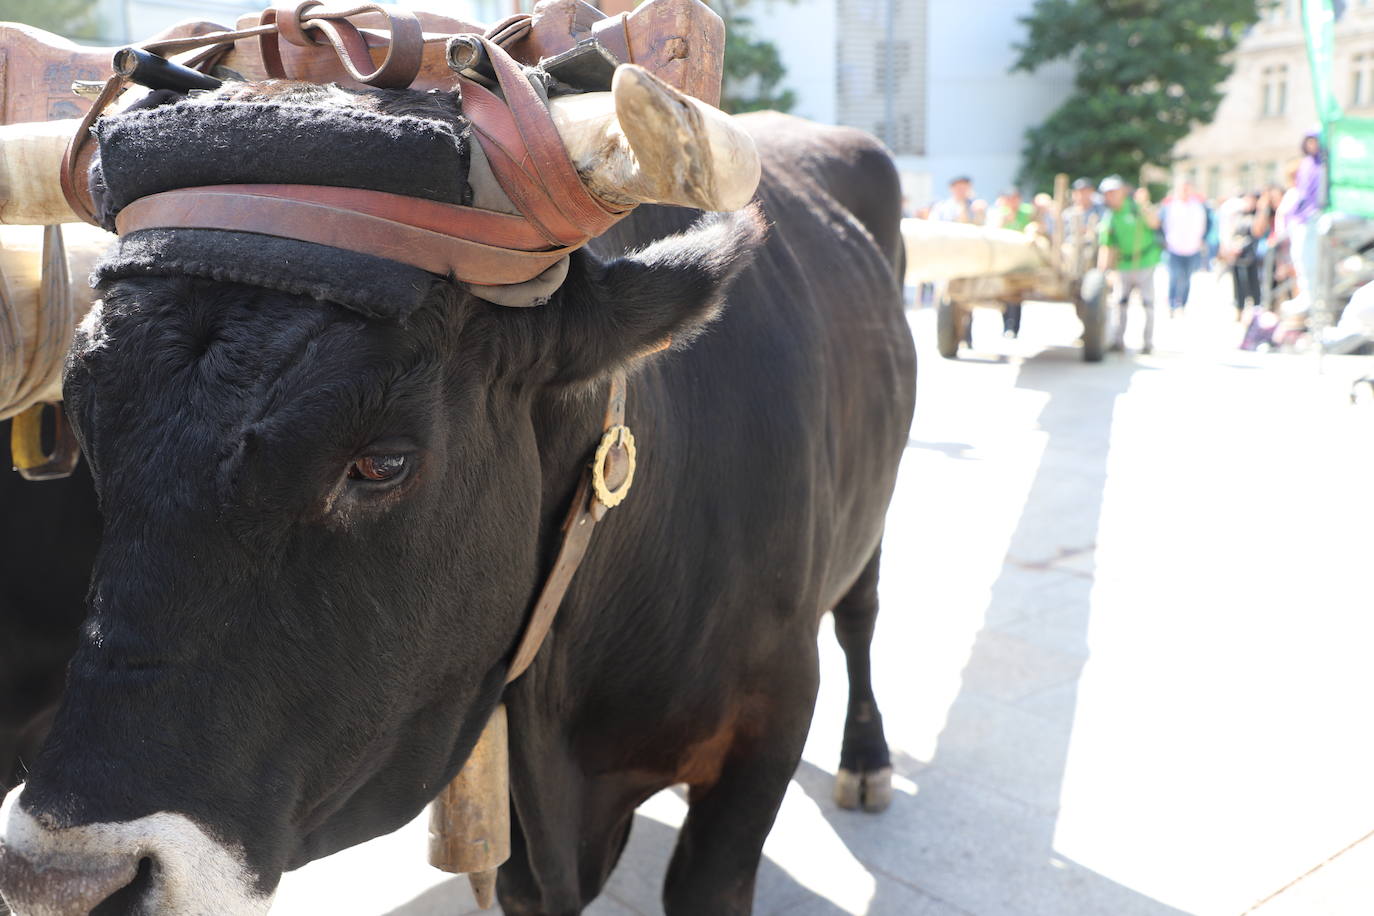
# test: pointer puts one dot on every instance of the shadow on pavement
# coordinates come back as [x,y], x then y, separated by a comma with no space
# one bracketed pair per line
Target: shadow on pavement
[977,838]
[638,878]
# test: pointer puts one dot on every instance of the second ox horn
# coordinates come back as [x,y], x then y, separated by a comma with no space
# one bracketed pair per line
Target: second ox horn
[646,142]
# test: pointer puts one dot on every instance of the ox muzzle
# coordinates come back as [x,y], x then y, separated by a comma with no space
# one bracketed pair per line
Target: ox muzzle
[160,863]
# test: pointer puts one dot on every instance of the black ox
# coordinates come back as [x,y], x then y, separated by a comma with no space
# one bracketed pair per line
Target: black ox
[281,657]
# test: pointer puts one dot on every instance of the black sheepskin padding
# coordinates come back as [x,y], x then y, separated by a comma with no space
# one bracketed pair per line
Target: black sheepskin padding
[372,286]
[403,143]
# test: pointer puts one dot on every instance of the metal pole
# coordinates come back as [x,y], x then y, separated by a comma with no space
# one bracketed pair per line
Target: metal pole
[890,83]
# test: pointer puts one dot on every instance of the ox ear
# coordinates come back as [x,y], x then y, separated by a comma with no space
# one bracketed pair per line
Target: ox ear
[613,312]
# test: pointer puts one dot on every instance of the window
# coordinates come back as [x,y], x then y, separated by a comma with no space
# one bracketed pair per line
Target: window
[891,72]
[1362,80]
[1214,182]
[1247,175]
[1274,91]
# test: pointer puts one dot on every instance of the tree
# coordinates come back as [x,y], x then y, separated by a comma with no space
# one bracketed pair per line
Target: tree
[70,18]
[753,69]
[1147,72]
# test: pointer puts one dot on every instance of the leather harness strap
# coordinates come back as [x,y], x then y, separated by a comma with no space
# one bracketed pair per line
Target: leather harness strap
[614,466]
[397,71]
[367,222]
[527,154]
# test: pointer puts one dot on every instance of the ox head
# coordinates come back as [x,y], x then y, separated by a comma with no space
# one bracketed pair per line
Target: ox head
[330,487]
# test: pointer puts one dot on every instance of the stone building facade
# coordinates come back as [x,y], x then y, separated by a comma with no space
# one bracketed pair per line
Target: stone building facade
[1269,104]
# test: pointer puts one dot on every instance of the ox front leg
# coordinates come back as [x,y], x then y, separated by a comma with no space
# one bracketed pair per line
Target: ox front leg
[568,828]
[716,860]
[865,776]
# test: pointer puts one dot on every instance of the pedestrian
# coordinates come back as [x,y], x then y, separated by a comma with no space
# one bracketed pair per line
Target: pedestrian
[961,206]
[1129,241]
[1310,183]
[1184,217]
[1249,226]
[1226,213]
[1011,212]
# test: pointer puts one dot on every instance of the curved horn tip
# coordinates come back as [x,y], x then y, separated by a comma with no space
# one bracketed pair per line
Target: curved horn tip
[699,153]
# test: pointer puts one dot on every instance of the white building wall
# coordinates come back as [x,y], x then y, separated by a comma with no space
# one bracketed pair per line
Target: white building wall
[978,110]
[803,33]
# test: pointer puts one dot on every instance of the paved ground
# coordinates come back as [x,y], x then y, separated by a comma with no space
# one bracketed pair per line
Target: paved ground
[1124,655]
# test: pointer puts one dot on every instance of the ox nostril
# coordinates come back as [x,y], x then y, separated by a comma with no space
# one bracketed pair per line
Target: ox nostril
[65,886]
[127,898]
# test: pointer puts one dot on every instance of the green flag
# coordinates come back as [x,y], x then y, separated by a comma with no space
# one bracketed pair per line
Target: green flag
[1318,23]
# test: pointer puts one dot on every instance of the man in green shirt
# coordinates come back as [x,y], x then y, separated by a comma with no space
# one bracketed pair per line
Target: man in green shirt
[1011,212]
[1129,241]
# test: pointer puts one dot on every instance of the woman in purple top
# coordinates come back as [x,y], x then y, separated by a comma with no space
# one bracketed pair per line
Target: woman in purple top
[1302,245]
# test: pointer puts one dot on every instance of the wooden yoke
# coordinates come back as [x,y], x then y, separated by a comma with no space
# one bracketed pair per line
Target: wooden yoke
[681,42]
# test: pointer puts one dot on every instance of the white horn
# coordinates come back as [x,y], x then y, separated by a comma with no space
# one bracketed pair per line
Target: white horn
[30,173]
[645,142]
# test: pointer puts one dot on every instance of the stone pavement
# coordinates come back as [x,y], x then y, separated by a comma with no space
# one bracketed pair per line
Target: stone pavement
[1123,656]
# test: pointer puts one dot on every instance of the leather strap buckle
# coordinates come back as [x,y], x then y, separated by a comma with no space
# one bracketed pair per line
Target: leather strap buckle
[613,468]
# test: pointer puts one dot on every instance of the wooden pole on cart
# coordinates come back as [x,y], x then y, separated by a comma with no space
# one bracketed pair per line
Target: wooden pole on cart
[1061,196]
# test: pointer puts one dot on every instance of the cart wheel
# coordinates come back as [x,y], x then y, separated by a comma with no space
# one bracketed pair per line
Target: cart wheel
[949,328]
[1092,311]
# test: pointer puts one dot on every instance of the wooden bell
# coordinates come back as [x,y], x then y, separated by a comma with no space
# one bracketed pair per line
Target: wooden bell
[469,823]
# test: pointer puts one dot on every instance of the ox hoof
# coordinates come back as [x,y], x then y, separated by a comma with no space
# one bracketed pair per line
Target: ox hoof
[871,791]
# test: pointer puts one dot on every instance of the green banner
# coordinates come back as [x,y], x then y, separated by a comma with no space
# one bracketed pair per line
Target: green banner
[1318,24]
[1350,144]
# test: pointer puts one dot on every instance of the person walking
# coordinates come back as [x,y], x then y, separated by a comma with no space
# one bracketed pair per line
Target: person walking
[961,206]
[1011,212]
[1185,219]
[1310,183]
[1129,243]
[1250,226]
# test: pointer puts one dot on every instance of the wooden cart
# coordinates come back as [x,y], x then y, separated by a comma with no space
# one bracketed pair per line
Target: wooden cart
[976,266]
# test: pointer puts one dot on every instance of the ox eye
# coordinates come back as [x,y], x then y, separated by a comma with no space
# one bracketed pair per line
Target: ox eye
[378,467]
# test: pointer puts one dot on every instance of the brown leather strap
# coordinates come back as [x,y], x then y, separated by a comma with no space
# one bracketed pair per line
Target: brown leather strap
[78,154]
[587,509]
[350,227]
[527,155]
[511,29]
[404,53]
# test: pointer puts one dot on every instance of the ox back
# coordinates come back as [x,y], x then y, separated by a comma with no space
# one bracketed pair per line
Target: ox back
[685,651]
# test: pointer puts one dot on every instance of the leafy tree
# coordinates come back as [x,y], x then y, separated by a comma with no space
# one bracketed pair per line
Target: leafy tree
[78,19]
[753,69]
[1147,72]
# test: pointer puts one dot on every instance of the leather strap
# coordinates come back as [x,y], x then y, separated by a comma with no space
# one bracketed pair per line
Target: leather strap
[404,52]
[527,155]
[436,237]
[587,509]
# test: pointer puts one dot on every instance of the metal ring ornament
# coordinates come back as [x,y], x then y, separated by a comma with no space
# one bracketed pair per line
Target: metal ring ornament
[616,437]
